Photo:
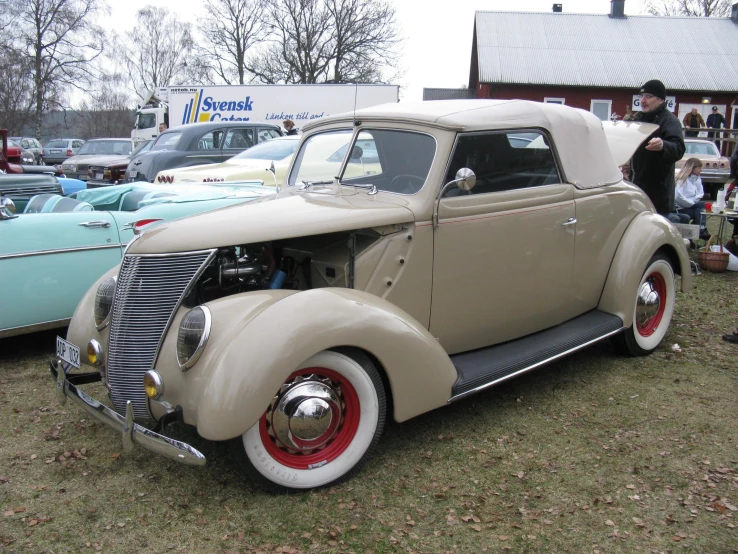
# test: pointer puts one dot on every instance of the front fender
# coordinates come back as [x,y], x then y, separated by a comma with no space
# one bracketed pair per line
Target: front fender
[244,368]
[82,328]
[647,234]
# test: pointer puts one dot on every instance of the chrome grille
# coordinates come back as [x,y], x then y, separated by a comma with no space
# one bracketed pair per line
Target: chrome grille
[26,191]
[149,290]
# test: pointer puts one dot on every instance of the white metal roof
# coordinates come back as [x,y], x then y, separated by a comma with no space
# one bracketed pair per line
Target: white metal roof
[685,53]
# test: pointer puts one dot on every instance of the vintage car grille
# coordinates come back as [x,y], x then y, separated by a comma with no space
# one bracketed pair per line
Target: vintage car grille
[149,290]
[29,191]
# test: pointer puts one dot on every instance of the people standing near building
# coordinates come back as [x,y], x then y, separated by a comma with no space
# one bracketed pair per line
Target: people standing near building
[693,120]
[653,162]
[715,121]
[289,127]
[689,193]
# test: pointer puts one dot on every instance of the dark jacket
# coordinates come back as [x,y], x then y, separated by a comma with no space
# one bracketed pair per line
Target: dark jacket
[654,171]
[715,120]
[292,131]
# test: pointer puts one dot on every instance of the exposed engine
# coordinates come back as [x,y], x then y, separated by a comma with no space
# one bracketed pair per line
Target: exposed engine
[296,264]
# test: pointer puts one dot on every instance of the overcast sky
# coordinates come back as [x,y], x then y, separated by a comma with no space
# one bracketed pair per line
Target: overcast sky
[438,35]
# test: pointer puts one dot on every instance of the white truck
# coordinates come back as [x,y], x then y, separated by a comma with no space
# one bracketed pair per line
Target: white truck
[180,105]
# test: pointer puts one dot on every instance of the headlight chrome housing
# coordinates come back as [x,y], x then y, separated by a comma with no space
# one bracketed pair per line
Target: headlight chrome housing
[194,331]
[104,302]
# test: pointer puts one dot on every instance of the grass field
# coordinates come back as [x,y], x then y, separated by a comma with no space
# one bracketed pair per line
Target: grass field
[596,453]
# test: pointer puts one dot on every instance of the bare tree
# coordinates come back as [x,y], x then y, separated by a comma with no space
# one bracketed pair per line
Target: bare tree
[365,36]
[106,111]
[16,89]
[158,50]
[61,39]
[301,47]
[230,31]
[692,8]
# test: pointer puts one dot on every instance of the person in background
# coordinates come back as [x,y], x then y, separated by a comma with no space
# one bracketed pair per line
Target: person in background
[289,127]
[689,193]
[653,162]
[715,121]
[693,120]
[162,127]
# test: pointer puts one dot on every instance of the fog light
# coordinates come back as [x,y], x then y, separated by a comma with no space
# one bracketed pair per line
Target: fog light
[153,384]
[194,331]
[95,353]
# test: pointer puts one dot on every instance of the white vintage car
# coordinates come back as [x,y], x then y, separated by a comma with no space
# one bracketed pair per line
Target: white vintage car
[457,244]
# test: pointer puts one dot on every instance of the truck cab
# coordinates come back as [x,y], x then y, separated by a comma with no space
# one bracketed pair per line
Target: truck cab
[149,116]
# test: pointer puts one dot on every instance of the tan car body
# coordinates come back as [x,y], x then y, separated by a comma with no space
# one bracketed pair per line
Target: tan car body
[410,308]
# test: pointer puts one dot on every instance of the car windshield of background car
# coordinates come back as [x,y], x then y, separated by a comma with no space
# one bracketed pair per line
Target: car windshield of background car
[145,146]
[392,161]
[703,148]
[112,147]
[57,144]
[271,150]
[166,141]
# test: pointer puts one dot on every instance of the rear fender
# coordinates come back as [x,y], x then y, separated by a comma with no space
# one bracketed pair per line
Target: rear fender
[647,234]
[241,371]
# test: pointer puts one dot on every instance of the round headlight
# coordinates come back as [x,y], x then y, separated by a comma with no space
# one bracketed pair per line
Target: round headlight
[194,330]
[104,302]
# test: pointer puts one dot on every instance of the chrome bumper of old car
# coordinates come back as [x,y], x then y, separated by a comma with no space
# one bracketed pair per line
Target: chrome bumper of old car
[130,432]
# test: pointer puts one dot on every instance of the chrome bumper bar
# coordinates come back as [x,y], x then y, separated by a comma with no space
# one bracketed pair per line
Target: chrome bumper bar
[130,432]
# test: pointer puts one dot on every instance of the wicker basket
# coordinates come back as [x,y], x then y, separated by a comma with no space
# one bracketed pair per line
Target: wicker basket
[717,262]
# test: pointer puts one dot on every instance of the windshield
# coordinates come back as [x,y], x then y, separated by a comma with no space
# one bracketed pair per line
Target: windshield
[145,120]
[57,144]
[166,141]
[270,150]
[112,147]
[704,148]
[392,161]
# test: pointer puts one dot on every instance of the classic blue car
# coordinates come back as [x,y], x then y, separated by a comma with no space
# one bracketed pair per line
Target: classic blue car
[52,252]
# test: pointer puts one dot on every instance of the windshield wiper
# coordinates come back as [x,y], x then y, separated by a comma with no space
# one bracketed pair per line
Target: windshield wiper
[371,188]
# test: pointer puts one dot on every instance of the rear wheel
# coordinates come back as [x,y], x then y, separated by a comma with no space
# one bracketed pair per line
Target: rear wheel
[653,309]
[321,425]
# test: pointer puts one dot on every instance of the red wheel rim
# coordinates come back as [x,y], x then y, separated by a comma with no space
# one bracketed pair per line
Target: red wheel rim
[343,436]
[659,286]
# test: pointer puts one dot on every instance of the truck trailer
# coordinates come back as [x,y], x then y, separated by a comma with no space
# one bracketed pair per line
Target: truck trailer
[180,105]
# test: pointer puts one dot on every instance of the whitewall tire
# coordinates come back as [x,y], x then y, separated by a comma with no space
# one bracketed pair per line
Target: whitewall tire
[322,424]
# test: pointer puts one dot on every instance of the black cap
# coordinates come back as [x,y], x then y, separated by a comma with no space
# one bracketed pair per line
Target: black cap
[714,108]
[654,87]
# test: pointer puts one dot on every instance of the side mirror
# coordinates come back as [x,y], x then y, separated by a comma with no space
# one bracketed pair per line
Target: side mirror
[465,180]
[7,208]
[357,152]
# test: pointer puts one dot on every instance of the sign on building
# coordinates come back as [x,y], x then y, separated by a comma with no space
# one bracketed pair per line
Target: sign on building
[670,103]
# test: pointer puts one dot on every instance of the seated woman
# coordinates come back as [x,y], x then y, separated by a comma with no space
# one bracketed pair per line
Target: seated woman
[689,192]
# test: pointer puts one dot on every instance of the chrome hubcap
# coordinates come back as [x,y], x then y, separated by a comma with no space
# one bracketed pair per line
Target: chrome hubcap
[305,414]
[649,304]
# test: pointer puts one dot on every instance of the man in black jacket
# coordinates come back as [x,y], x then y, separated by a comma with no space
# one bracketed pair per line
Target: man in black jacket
[653,162]
[715,121]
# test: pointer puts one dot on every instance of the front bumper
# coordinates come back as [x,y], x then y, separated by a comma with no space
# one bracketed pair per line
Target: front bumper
[131,432]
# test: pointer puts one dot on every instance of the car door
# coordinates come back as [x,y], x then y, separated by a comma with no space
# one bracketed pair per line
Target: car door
[237,140]
[49,260]
[503,252]
[207,148]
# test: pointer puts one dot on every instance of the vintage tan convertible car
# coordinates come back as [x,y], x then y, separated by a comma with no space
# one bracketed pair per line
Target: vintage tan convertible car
[485,239]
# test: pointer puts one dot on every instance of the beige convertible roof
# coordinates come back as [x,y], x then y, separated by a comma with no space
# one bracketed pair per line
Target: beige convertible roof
[579,137]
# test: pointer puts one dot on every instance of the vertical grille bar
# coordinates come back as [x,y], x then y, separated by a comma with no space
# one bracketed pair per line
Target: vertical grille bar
[149,290]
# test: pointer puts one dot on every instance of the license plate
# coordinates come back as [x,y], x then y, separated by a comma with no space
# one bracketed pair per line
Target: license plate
[133,174]
[67,351]
[56,151]
[98,176]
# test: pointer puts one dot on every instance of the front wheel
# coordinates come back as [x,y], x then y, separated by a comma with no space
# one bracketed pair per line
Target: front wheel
[321,425]
[653,309]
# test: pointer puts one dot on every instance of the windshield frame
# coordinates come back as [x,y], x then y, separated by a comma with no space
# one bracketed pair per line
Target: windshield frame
[355,132]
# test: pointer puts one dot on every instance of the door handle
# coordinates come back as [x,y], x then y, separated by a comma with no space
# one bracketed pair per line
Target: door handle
[570,221]
[95,224]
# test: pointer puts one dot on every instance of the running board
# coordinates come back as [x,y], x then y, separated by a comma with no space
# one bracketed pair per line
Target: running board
[479,369]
